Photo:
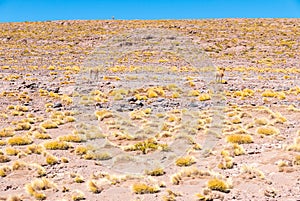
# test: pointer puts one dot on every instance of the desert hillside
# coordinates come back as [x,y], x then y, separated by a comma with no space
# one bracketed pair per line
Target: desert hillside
[131,110]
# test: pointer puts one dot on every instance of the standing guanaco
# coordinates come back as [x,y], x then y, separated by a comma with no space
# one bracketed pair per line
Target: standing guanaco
[220,75]
[95,72]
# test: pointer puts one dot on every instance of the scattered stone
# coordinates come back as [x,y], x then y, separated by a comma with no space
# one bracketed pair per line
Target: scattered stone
[57,105]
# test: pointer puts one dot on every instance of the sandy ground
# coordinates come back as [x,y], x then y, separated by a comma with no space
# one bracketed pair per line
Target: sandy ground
[68,135]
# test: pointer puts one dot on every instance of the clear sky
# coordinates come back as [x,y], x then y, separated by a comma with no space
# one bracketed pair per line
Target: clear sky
[42,10]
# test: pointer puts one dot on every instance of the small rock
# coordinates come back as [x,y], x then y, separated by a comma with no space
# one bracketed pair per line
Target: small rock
[57,105]
[160,100]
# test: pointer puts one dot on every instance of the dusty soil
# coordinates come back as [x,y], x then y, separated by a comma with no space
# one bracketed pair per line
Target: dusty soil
[149,106]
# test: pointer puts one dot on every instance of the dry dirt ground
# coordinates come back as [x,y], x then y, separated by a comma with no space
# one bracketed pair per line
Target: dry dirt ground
[150,122]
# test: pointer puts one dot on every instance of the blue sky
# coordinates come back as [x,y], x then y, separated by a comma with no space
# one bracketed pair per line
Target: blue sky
[42,10]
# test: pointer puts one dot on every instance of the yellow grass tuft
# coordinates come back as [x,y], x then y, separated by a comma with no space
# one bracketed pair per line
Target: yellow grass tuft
[142,188]
[71,138]
[218,185]
[12,151]
[204,97]
[269,93]
[94,187]
[7,132]
[57,145]
[267,130]
[4,159]
[4,171]
[152,94]
[34,149]
[296,160]
[40,135]
[185,161]
[261,121]
[49,124]
[155,172]
[19,140]
[194,93]
[51,160]
[81,150]
[239,138]
[78,195]
[102,114]
[23,126]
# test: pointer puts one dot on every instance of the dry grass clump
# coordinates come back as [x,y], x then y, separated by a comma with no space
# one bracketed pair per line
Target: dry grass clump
[4,171]
[97,156]
[34,149]
[261,121]
[51,160]
[78,195]
[239,138]
[142,188]
[252,172]
[49,124]
[71,138]
[155,172]
[190,172]
[218,185]
[57,145]
[295,146]
[23,126]
[296,160]
[227,161]
[269,93]
[12,151]
[204,97]
[94,187]
[267,130]
[81,150]
[103,114]
[146,146]
[7,132]
[40,135]
[38,185]
[236,120]
[185,161]
[19,140]
[4,158]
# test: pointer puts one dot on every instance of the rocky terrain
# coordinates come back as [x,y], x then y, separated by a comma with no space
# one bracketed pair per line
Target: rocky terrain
[131,110]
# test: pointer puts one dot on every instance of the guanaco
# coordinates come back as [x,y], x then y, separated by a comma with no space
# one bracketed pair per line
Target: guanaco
[95,72]
[220,75]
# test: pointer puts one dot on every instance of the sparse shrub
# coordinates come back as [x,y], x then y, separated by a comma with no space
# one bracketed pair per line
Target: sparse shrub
[42,136]
[296,160]
[19,140]
[81,150]
[49,124]
[185,161]
[71,138]
[268,93]
[22,126]
[7,132]
[78,195]
[142,188]
[4,170]
[155,172]
[94,187]
[239,138]
[12,151]
[267,130]
[261,121]
[57,145]
[35,149]
[218,185]
[204,97]
[4,159]
[51,160]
